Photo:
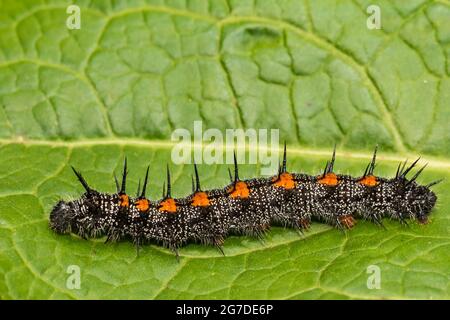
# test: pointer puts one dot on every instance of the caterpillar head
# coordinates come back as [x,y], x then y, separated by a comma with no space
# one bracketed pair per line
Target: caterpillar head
[61,217]
[423,201]
[416,200]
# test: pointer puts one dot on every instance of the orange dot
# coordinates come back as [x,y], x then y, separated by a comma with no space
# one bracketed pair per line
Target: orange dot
[200,199]
[285,180]
[239,190]
[168,205]
[369,181]
[142,205]
[347,221]
[330,179]
[124,200]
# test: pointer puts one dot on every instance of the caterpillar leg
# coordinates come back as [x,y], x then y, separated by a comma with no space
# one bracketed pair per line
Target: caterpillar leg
[177,253]
[376,219]
[347,221]
[218,243]
[137,243]
[304,223]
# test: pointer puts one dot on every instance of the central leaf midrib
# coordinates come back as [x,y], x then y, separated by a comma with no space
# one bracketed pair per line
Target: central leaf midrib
[433,161]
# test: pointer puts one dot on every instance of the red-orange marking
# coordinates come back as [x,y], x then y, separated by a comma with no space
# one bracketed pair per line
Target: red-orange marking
[168,205]
[369,181]
[200,199]
[265,227]
[347,221]
[142,205]
[423,220]
[124,200]
[330,179]
[304,223]
[286,181]
[240,190]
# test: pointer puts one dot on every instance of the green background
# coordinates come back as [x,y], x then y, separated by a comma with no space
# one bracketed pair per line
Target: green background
[137,70]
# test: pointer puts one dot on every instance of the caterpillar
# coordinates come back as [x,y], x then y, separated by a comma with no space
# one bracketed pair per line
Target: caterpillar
[248,207]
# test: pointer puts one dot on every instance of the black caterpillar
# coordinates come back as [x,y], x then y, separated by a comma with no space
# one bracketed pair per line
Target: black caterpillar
[247,207]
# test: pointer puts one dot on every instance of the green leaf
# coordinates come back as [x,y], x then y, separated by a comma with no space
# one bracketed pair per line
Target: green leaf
[136,70]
